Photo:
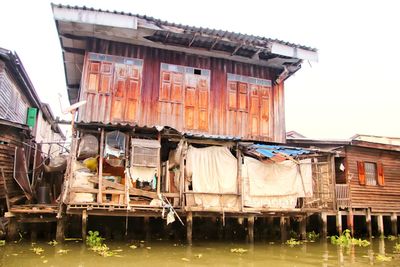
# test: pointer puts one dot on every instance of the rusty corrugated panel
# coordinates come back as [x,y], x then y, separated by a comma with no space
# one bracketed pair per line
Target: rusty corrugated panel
[21,171]
[154,110]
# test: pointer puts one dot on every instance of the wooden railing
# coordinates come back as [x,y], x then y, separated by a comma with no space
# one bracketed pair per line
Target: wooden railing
[342,195]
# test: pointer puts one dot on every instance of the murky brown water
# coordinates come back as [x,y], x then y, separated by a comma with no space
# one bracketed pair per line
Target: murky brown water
[166,253]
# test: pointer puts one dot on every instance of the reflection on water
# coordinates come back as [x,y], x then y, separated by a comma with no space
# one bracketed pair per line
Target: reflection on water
[166,253]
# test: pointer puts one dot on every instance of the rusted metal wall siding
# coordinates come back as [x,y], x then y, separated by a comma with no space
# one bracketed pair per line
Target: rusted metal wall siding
[379,198]
[12,105]
[9,139]
[220,120]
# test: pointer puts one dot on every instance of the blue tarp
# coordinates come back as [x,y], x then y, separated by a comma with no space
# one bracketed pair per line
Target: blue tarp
[270,151]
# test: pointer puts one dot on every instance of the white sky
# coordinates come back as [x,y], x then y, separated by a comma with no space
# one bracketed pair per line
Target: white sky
[354,88]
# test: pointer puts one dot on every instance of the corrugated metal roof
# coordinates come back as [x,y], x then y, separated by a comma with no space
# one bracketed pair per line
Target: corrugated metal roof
[270,151]
[245,38]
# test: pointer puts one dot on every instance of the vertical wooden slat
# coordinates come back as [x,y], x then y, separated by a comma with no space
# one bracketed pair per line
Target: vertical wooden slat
[100,194]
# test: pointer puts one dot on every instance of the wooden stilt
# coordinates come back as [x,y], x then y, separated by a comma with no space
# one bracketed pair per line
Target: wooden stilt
[339,228]
[380,225]
[189,227]
[33,228]
[324,225]
[303,228]
[270,226]
[393,219]
[250,229]
[283,227]
[147,229]
[12,229]
[368,222]
[84,224]
[350,221]
[60,232]
[220,229]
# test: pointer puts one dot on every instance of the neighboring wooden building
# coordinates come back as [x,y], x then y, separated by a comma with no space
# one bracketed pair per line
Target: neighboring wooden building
[24,120]
[367,175]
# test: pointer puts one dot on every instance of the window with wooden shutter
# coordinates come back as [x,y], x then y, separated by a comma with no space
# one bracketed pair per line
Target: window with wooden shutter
[361,172]
[165,85]
[254,109]
[177,85]
[232,95]
[242,100]
[264,111]
[381,176]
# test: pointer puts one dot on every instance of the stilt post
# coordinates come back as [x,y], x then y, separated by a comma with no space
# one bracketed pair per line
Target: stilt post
[393,219]
[189,227]
[283,227]
[250,229]
[84,225]
[147,228]
[350,221]
[303,227]
[60,232]
[380,225]
[368,222]
[324,225]
[339,228]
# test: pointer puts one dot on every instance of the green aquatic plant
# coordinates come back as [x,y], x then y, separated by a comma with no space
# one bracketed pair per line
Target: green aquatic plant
[2,242]
[52,243]
[38,250]
[381,257]
[293,242]
[392,237]
[238,250]
[346,240]
[94,239]
[312,236]
[397,248]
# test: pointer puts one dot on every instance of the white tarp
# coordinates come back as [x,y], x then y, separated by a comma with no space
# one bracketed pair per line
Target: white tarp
[276,185]
[213,170]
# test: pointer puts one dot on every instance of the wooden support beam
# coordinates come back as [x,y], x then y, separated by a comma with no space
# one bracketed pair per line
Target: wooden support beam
[283,228]
[303,227]
[250,229]
[381,230]
[393,219]
[368,222]
[158,185]
[269,224]
[350,221]
[189,227]
[324,225]
[60,232]
[84,224]
[339,227]
[100,193]
[5,189]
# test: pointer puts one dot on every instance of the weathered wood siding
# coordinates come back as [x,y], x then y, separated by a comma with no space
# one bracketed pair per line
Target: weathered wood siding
[149,110]
[9,139]
[379,198]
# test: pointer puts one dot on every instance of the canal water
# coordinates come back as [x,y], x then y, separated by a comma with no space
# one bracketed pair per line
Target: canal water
[167,253]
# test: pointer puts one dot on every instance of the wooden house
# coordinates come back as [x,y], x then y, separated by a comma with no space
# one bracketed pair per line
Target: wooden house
[25,122]
[152,94]
[367,179]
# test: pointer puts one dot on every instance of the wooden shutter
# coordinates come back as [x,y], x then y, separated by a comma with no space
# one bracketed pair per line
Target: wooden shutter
[165,85]
[190,104]
[133,94]
[361,172]
[176,90]
[232,95]
[381,177]
[242,99]
[254,109]
[203,104]
[264,112]
[117,108]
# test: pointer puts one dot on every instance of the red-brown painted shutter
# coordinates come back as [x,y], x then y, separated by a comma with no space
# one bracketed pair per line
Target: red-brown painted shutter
[190,104]
[119,94]
[264,110]
[203,104]
[381,176]
[361,172]
[242,97]
[133,94]
[254,109]
[232,95]
[165,85]
[176,91]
